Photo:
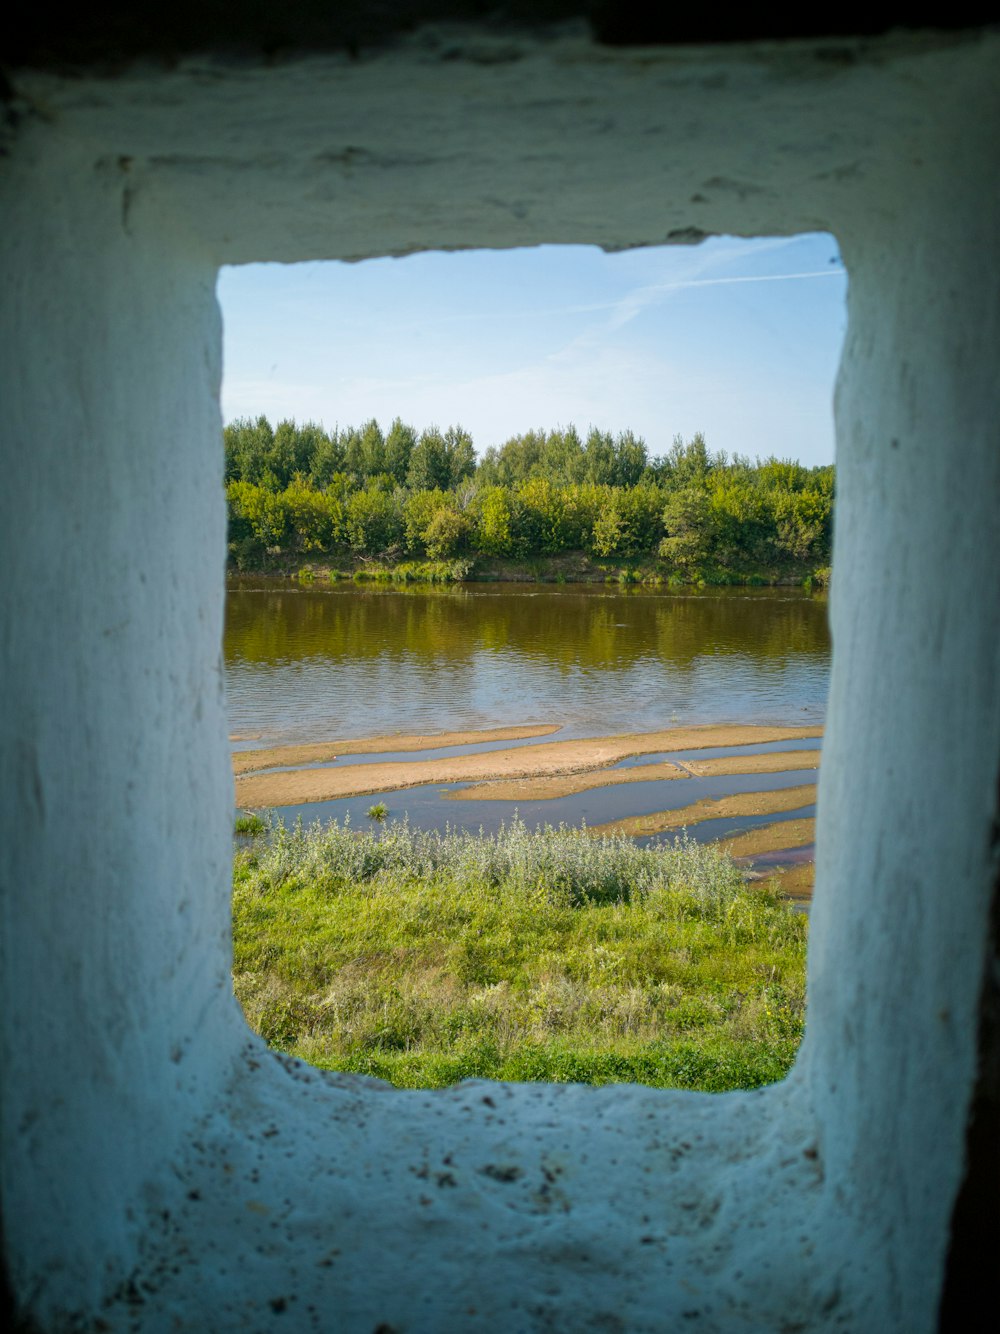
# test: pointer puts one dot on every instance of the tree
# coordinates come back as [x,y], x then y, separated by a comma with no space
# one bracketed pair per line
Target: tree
[364,451]
[686,519]
[291,451]
[542,509]
[398,449]
[688,464]
[599,457]
[247,449]
[258,513]
[373,522]
[461,454]
[446,533]
[562,459]
[419,510]
[494,529]
[327,460]
[630,459]
[315,520]
[608,533]
[430,465]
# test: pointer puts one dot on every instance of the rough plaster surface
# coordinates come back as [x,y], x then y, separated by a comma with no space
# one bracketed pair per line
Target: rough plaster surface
[161,1170]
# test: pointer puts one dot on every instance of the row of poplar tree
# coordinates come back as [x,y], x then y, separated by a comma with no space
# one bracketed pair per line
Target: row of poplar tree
[360,492]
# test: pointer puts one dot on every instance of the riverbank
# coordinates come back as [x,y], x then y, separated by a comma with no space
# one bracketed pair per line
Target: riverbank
[571,567]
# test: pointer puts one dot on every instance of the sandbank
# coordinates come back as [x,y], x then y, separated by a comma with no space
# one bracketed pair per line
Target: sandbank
[321,752]
[771,838]
[567,785]
[711,808]
[545,760]
[775,762]
[795,882]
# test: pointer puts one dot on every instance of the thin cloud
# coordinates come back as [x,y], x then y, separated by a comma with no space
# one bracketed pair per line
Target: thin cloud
[633,304]
[640,299]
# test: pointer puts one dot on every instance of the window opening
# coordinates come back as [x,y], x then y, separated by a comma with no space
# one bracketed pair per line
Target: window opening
[504,557]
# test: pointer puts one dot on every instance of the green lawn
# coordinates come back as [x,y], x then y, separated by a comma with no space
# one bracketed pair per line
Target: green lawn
[426,958]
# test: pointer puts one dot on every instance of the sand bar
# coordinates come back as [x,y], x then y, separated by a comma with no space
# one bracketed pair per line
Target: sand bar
[775,762]
[795,882]
[711,808]
[321,752]
[567,785]
[547,759]
[771,838]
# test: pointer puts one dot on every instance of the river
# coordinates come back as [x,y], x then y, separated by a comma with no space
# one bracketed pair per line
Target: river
[336,661]
[342,660]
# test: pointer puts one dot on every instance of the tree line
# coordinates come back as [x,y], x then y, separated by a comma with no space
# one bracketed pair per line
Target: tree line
[297,490]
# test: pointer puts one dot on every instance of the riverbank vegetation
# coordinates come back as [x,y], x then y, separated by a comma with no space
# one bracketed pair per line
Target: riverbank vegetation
[420,506]
[425,958]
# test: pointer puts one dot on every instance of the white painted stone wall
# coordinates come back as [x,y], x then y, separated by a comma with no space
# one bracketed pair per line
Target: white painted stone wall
[162,1170]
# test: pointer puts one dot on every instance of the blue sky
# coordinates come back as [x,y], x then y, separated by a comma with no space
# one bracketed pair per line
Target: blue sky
[736,338]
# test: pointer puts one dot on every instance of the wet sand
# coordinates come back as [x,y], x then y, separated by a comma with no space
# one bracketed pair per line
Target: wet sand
[248,761]
[771,838]
[776,763]
[567,785]
[795,882]
[548,760]
[711,808]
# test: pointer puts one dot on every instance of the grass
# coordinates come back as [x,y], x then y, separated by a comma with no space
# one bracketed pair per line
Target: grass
[414,572]
[249,825]
[426,958]
[564,568]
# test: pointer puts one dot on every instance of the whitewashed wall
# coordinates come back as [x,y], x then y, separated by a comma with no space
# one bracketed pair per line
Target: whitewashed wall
[160,1169]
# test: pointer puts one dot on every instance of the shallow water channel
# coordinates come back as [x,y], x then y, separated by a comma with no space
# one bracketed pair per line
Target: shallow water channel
[325,662]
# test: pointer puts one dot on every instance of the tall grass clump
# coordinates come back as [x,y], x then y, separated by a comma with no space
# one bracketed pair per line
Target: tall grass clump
[427,957]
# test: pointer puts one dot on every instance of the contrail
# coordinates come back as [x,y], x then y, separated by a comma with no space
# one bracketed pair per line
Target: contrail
[636,300]
[749,278]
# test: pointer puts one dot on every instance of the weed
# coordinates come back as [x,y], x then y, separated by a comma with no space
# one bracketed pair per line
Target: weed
[250,826]
[425,957]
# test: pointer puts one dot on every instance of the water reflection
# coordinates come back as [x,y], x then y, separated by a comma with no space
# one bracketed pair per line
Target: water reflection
[310,663]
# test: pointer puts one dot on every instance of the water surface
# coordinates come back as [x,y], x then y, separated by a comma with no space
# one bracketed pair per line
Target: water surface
[324,661]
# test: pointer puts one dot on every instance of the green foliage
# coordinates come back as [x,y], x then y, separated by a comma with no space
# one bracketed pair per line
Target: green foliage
[441,461]
[688,539]
[425,957]
[414,572]
[378,812]
[249,825]
[446,533]
[295,490]
[607,534]
[433,525]
[398,449]
[257,454]
[494,522]
[373,523]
